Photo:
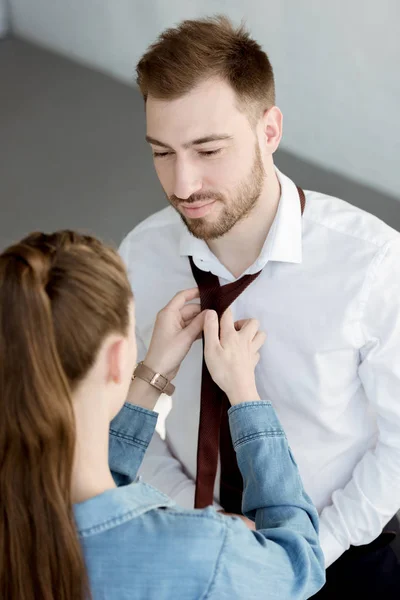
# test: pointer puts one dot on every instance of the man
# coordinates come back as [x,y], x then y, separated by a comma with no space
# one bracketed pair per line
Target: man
[327,293]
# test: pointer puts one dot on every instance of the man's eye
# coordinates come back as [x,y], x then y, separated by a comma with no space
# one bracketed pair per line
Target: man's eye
[161,154]
[211,152]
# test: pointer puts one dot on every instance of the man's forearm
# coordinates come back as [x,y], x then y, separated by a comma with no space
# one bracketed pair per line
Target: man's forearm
[362,508]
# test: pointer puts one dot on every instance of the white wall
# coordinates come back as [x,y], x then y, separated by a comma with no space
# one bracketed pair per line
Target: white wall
[336,65]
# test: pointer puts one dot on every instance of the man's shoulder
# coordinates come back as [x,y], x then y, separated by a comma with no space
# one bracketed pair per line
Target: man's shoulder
[348,221]
[154,240]
[155,225]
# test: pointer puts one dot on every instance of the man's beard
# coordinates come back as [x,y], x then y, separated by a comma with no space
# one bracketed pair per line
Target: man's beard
[234,210]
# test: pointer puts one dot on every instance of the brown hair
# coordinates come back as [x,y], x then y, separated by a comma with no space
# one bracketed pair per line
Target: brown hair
[196,50]
[60,295]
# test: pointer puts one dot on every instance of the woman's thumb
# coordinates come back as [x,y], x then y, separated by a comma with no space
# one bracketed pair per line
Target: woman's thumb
[211,330]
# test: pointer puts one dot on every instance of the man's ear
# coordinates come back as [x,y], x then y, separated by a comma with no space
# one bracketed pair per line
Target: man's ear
[272,122]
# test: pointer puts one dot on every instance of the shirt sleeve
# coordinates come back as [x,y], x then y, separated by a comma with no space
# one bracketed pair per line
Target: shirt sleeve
[361,509]
[283,558]
[130,434]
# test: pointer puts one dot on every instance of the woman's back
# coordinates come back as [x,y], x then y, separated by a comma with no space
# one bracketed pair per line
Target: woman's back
[138,543]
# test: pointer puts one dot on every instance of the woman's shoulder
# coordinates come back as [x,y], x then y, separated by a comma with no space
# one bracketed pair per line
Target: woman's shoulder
[164,546]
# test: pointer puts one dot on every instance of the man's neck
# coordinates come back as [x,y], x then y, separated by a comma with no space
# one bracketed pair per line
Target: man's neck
[238,249]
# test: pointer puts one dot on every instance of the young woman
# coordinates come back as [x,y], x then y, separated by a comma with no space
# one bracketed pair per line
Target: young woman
[67,532]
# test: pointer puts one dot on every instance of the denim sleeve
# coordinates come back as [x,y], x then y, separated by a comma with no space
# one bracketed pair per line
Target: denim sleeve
[130,434]
[283,556]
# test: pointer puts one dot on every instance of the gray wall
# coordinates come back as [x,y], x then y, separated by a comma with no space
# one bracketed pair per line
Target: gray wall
[336,65]
[4,21]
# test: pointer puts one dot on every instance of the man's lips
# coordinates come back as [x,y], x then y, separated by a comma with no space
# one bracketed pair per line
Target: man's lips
[197,209]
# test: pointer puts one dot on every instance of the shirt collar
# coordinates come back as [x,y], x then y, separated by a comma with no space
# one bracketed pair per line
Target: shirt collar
[283,243]
[286,242]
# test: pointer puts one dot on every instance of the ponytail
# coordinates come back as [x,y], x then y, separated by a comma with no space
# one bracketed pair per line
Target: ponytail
[40,553]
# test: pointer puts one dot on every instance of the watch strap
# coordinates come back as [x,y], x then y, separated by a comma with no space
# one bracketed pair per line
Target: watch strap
[155,379]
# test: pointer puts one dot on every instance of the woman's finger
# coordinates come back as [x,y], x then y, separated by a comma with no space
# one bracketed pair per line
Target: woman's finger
[250,328]
[211,327]
[189,311]
[258,340]
[186,324]
[239,324]
[194,328]
[226,325]
[180,299]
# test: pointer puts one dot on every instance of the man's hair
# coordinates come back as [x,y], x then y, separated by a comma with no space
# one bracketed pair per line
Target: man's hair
[197,50]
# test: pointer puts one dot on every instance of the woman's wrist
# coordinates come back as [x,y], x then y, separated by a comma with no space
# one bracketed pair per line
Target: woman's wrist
[243,393]
[156,365]
[143,394]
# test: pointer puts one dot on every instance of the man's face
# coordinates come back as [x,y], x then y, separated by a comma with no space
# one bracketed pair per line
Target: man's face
[207,157]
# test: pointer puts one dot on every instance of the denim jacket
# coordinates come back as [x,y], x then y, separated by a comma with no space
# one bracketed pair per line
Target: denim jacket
[139,544]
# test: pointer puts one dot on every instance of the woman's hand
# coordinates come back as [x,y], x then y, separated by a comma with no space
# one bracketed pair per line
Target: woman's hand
[231,354]
[177,326]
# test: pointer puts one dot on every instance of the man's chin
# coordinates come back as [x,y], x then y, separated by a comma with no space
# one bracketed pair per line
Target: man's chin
[199,228]
[204,231]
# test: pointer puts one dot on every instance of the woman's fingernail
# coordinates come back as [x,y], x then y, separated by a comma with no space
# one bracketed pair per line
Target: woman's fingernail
[212,315]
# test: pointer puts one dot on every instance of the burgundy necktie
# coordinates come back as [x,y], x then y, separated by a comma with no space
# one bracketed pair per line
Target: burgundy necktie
[214,433]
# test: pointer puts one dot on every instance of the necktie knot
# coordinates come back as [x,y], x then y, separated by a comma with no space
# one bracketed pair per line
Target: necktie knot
[214,296]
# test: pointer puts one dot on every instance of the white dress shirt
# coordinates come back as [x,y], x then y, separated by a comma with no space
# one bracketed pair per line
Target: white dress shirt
[328,298]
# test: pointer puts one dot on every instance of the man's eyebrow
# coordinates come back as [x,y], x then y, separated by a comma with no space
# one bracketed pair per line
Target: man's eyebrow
[152,140]
[204,140]
[208,138]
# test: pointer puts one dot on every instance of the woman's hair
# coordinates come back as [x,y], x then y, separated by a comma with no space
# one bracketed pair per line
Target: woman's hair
[60,296]
[196,50]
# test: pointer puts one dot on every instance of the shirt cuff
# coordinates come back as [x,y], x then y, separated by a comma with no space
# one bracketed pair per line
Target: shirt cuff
[331,547]
[134,424]
[251,418]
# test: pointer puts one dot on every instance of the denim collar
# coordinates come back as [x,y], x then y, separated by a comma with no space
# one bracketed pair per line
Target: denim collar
[116,506]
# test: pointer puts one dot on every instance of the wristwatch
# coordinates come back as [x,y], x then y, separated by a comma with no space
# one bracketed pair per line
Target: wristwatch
[157,380]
